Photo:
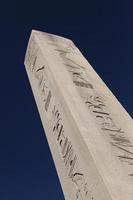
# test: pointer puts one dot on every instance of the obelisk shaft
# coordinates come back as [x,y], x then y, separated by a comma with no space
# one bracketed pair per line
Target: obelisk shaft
[88,131]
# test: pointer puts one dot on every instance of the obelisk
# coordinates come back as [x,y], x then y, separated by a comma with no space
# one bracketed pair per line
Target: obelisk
[89,133]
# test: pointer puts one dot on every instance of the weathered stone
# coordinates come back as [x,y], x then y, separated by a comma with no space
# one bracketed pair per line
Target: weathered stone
[89,133]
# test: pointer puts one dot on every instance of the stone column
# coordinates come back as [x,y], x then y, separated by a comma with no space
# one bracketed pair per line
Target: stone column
[89,133]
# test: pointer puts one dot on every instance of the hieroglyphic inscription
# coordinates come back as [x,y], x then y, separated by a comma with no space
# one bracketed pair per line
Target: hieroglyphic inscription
[69,157]
[64,144]
[76,71]
[97,106]
[38,72]
[108,125]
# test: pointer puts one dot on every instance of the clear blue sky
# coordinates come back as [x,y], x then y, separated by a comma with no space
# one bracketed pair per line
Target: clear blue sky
[103,31]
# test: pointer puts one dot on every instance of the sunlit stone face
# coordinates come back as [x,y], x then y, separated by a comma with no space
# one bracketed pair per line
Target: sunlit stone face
[88,131]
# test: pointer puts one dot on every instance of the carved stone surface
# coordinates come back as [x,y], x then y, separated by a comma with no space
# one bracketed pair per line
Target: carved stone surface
[89,133]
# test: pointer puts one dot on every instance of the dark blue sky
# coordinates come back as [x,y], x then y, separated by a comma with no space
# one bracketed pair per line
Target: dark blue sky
[103,31]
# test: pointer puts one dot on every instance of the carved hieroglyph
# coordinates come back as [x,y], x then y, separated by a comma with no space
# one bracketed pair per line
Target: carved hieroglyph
[89,133]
